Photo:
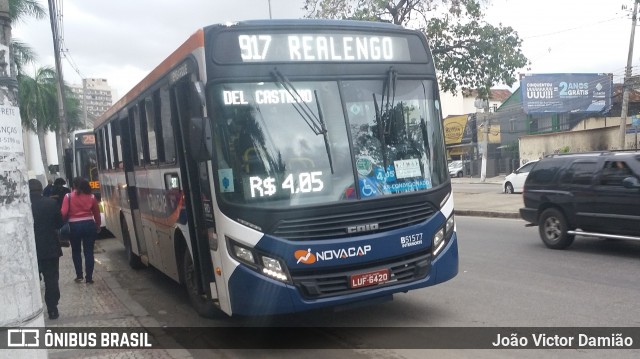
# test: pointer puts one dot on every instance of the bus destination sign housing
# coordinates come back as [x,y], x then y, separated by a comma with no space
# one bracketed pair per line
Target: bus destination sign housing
[286,47]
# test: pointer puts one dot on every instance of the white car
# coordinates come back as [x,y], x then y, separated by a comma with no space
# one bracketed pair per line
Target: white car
[455,169]
[515,181]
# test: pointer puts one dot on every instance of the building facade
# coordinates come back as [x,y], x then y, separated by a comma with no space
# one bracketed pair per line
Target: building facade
[538,135]
[96,95]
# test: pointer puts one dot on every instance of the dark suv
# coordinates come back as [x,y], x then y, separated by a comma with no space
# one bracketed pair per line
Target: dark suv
[590,194]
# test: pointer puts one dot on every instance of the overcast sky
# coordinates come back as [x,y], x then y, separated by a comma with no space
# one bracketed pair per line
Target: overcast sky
[122,40]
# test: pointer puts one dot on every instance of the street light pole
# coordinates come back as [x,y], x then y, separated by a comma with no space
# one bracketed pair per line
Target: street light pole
[270,9]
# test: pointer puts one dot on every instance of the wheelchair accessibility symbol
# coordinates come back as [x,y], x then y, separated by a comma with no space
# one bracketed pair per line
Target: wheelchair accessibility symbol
[366,189]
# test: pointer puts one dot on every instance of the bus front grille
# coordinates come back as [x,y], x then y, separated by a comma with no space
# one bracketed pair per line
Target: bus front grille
[325,283]
[335,225]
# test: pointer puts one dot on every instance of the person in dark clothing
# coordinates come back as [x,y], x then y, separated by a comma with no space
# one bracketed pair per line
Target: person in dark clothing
[59,190]
[47,190]
[47,219]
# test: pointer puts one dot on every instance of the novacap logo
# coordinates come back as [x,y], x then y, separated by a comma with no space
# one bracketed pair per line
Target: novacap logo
[305,257]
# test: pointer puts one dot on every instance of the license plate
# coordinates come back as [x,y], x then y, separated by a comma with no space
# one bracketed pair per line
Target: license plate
[370,278]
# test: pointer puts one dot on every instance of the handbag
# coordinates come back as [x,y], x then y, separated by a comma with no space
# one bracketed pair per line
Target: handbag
[64,233]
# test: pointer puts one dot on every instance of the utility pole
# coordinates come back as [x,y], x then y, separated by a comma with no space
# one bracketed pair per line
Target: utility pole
[270,9]
[20,302]
[64,137]
[627,83]
[485,144]
[483,103]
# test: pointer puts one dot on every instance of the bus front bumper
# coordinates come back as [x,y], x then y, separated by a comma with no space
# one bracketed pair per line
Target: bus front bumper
[254,294]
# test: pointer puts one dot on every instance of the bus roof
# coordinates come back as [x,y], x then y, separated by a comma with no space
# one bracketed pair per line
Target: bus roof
[193,42]
[312,22]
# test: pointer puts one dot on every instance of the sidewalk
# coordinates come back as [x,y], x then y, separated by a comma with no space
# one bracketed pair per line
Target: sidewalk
[476,201]
[104,304]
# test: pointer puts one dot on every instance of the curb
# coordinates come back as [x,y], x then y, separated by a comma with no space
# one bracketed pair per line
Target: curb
[491,214]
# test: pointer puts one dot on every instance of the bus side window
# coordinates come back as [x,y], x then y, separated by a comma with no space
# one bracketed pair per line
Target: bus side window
[141,134]
[109,146]
[103,149]
[100,149]
[117,145]
[151,130]
[134,131]
[165,133]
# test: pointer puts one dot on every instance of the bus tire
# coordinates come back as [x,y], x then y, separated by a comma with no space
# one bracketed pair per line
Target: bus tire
[553,229]
[132,258]
[202,305]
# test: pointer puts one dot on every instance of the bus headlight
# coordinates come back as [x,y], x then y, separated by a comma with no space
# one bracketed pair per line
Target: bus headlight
[438,241]
[244,254]
[449,226]
[262,263]
[272,268]
[441,237]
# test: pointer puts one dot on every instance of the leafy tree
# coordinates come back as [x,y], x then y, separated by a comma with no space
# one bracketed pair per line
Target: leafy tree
[20,10]
[39,105]
[469,52]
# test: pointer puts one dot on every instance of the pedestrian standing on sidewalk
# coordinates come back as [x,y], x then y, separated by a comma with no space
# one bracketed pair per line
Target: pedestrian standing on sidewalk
[46,222]
[80,208]
[59,190]
[46,192]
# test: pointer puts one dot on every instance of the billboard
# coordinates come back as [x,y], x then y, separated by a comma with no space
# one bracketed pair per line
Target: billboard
[459,129]
[563,93]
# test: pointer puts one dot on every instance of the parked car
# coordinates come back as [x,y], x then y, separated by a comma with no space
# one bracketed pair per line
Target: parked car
[455,169]
[594,194]
[514,182]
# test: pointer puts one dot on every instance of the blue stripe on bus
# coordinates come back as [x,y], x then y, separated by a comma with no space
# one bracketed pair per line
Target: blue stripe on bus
[254,294]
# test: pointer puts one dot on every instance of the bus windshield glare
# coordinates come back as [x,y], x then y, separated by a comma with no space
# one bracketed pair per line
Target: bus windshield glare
[281,144]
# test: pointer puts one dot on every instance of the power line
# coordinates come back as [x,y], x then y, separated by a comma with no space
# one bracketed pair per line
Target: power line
[574,28]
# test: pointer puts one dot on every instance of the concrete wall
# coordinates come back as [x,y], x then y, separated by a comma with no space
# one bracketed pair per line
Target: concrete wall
[598,122]
[534,147]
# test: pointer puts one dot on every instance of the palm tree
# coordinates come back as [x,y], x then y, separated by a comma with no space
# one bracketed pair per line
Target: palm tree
[38,104]
[20,10]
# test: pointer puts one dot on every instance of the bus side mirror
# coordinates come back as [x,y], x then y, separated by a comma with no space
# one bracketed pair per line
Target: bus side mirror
[200,139]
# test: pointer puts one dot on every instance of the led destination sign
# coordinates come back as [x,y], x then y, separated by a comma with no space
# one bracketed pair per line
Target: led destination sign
[318,47]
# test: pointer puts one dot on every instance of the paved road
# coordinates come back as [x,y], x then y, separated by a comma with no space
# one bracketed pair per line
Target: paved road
[507,278]
[475,198]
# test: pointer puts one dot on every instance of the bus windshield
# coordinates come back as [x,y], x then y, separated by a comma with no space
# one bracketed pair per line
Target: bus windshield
[281,144]
[86,164]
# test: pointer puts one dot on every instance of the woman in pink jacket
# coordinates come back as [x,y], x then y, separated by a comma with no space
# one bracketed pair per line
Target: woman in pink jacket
[80,208]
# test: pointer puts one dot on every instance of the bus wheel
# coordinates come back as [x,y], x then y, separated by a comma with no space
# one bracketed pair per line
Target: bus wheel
[203,306]
[133,259]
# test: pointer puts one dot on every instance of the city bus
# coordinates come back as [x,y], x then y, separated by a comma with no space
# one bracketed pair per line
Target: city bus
[81,161]
[81,158]
[278,166]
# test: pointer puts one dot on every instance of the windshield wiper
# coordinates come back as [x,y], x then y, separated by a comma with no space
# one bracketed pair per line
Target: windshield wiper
[384,116]
[316,123]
